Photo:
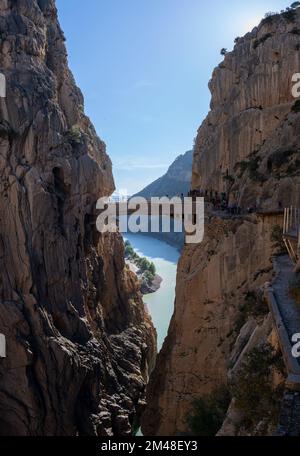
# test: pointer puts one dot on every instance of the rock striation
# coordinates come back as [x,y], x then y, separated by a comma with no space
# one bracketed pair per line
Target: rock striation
[80,344]
[248,148]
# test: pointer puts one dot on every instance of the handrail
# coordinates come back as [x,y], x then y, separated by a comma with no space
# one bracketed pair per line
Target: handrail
[291,219]
[291,232]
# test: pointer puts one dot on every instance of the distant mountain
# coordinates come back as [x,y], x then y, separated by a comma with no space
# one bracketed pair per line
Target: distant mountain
[177,180]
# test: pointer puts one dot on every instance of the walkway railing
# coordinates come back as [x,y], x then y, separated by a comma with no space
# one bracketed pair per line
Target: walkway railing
[291,232]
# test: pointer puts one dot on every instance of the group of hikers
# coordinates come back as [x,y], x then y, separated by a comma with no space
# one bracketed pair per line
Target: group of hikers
[224,202]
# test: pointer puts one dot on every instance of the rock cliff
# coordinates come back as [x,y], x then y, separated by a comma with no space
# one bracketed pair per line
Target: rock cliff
[248,147]
[79,342]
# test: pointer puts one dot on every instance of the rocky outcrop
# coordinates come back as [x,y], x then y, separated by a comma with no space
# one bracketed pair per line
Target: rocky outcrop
[248,147]
[79,341]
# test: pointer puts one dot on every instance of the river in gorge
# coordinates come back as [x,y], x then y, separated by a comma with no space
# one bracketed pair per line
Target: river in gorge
[161,303]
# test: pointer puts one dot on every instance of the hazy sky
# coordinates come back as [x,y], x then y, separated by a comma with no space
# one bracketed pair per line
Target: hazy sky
[143,67]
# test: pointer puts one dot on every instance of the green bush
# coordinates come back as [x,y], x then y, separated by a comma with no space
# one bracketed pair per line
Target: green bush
[295,31]
[290,15]
[141,262]
[229,178]
[208,413]
[294,288]
[296,106]
[261,40]
[74,135]
[277,240]
[129,252]
[278,159]
[269,18]
[252,388]
[294,168]
[253,305]
[148,277]
[295,5]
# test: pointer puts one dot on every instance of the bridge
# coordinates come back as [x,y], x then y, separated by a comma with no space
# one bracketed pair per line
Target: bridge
[175,210]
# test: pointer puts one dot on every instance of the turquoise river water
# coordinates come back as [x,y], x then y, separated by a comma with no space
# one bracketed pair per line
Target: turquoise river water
[161,303]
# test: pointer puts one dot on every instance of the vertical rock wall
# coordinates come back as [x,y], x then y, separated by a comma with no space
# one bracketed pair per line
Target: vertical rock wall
[79,342]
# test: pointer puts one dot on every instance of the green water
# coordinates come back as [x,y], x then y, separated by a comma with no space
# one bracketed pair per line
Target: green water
[161,303]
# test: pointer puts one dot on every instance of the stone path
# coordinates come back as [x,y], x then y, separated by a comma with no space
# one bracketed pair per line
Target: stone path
[289,309]
[289,423]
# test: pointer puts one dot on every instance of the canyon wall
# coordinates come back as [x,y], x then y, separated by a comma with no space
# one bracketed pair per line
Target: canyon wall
[248,147]
[79,342]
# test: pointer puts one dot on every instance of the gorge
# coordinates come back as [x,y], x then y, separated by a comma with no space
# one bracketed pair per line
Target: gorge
[81,345]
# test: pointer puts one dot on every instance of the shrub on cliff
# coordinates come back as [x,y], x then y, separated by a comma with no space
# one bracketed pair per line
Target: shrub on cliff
[295,5]
[290,15]
[74,135]
[277,240]
[262,40]
[269,18]
[148,277]
[294,288]
[252,388]
[296,106]
[208,413]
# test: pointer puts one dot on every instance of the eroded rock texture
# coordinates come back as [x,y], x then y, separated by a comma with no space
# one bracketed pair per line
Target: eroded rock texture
[79,343]
[248,146]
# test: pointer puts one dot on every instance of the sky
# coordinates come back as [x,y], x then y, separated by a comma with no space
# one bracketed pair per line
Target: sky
[144,67]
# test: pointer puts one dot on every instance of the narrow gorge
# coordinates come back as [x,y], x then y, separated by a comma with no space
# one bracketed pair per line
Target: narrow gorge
[80,344]
[248,147]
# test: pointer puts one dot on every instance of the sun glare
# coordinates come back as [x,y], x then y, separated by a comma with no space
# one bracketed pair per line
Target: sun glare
[252,22]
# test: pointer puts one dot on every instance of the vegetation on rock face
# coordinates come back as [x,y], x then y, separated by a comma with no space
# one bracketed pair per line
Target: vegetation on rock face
[146,267]
[74,135]
[252,166]
[296,106]
[262,40]
[289,14]
[294,288]
[208,413]
[277,240]
[284,163]
[252,388]
[252,306]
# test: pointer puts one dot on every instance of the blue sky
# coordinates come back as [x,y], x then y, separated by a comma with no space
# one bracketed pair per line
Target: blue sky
[143,67]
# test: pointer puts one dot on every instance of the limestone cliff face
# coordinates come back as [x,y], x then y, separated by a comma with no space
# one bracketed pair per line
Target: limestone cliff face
[251,120]
[248,146]
[79,343]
